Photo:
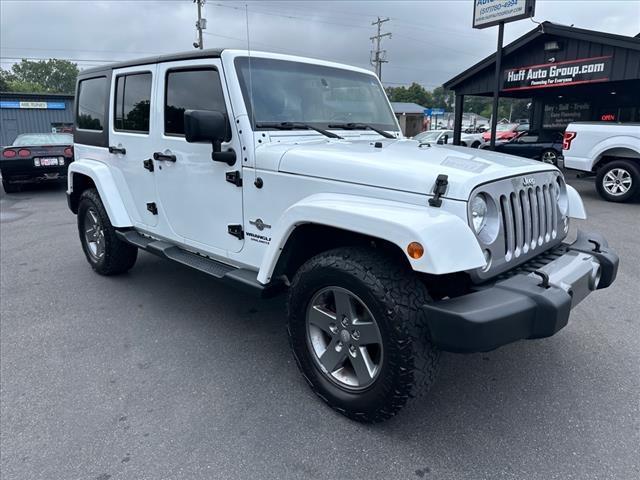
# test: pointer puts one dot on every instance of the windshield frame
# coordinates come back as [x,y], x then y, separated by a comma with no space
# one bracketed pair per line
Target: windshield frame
[240,61]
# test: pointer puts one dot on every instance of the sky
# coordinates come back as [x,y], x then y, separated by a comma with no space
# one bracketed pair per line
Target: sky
[432,40]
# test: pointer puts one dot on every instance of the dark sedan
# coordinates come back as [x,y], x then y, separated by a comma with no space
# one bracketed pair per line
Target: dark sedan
[34,158]
[544,146]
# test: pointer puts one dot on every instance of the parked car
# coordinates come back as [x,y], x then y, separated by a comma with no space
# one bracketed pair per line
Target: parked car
[35,158]
[506,131]
[435,136]
[609,150]
[389,251]
[545,146]
[473,140]
[440,137]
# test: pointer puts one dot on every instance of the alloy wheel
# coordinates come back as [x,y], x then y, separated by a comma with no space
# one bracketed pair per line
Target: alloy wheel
[94,234]
[550,157]
[344,338]
[617,181]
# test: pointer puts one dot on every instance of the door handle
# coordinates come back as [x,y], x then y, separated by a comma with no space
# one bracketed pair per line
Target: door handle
[164,157]
[120,150]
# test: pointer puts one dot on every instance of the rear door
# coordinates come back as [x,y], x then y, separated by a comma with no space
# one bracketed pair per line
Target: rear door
[195,198]
[132,94]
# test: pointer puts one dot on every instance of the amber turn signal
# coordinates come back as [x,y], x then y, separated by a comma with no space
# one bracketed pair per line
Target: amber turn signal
[415,250]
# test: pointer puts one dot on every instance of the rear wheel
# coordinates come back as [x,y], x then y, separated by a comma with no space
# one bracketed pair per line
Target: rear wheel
[357,332]
[105,252]
[10,187]
[549,156]
[618,181]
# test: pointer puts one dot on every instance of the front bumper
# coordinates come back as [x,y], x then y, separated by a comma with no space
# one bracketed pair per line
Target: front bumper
[533,303]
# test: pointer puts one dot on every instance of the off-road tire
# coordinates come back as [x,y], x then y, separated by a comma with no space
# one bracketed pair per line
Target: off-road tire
[631,166]
[10,187]
[118,256]
[394,295]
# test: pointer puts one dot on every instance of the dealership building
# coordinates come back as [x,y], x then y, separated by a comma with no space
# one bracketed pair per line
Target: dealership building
[570,75]
[33,113]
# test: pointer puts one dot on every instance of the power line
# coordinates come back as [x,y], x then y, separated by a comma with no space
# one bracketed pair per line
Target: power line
[285,15]
[379,56]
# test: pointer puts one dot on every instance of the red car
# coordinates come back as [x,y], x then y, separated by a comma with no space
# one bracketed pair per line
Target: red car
[506,131]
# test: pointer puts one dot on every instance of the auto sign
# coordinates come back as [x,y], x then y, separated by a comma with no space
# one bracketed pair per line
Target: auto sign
[487,13]
[557,74]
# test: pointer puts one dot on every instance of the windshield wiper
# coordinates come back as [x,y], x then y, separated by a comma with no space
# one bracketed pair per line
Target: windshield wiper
[295,126]
[362,126]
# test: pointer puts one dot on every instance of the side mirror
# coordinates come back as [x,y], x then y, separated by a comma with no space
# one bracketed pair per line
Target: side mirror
[209,126]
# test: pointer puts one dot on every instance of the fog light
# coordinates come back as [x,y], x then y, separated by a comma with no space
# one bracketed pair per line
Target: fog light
[415,250]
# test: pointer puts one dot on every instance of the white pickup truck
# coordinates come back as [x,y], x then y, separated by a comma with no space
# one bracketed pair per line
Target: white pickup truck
[277,173]
[611,151]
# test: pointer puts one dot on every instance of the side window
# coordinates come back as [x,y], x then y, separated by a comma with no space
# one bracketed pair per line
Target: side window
[92,95]
[132,102]
[197,89]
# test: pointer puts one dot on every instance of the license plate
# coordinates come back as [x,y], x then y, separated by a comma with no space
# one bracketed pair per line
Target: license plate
[46,162]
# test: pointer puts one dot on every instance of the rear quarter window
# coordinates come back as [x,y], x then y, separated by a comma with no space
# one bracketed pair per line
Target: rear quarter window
[92,95]
[92,104]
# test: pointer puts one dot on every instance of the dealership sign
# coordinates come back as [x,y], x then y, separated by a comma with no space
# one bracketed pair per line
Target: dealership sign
[33,105]
[487,13]
[429,112]
[559,74]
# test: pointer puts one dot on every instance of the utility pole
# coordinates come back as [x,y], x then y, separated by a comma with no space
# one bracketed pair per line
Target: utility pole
[201,24]
[378,57]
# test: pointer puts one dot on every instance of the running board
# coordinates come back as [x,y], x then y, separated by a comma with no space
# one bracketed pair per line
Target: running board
[242,277]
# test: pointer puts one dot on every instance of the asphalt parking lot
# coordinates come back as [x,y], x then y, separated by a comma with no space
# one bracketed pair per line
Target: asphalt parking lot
[165,373]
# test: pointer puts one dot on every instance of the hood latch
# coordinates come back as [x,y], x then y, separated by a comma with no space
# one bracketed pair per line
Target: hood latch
[439,189]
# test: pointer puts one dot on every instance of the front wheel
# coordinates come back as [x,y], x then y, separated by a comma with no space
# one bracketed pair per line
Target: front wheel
[357,332]
[618,181]
[105,252]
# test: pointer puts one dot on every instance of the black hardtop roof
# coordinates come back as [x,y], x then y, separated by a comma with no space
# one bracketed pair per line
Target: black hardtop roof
[547,28]
[172,57]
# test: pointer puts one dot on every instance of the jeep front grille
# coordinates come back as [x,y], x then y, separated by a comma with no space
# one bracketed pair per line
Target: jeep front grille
[530,220]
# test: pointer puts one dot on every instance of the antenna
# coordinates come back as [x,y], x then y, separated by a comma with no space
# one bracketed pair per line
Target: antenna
[253,111]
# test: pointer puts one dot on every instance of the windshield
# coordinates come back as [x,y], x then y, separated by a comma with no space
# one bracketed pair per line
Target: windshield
[431,136]
[286,91]
[30,139]
[505,127]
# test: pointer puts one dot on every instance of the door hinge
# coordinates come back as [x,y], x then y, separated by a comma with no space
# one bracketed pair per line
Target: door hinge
[234,177]
[148,164]
[236,231]
[152,208]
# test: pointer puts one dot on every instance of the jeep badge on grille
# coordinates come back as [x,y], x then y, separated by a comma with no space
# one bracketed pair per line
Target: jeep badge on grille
[528,181]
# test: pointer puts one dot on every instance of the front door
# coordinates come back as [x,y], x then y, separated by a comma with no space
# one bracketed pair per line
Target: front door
[129,139]
[194,197]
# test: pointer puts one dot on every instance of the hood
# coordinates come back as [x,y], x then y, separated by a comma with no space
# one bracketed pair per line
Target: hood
[399,164]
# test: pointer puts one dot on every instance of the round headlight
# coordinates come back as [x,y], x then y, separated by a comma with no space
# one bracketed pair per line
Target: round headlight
[478,213]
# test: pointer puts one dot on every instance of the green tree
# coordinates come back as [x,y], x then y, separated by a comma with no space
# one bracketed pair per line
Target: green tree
[49,76]
[443,98]
[415,93]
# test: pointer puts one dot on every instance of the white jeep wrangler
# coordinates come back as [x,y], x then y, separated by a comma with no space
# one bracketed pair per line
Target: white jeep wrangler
[279,173]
